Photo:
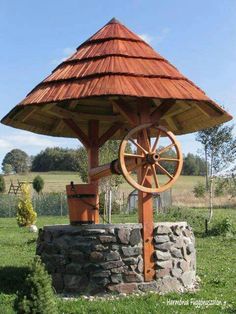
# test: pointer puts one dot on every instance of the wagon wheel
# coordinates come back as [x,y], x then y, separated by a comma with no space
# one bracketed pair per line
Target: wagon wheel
[148,161]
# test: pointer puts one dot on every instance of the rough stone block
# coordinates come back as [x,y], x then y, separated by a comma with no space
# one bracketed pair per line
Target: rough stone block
[96,257]
[77,257]
[160,273]
[176,272]
[148,286]
[116,278]
[164,264]
[161,239]
[123,288]
[188,278]
[135,237]
[163,230]
[102,274]
[112,256]
[162,256]
[131,276]
[164,246]
[124,235]
[168,284]
[73,268]
[190,248]
[131,251]
[130,261]
[176,253]
[112,264]
[107,239]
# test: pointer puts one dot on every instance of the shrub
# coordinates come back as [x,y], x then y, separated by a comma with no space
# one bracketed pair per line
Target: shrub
[26,215]
[199,190]
[2,184]
[223,227]
[37,296]
[38,184]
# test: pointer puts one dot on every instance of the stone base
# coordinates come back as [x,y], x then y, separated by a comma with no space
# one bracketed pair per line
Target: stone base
[93,259]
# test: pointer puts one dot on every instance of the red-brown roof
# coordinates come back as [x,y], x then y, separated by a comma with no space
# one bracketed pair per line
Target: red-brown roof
[117,62]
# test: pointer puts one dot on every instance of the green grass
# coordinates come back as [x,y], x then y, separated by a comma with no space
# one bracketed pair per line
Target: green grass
[216,260]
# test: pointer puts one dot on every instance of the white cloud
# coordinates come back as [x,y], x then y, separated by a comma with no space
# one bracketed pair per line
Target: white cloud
[4,144]
[158,38]
[66,52]
[146,37]
[162,34]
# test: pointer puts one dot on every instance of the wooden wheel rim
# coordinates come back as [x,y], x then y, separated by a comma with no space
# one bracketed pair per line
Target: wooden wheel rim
[126,173]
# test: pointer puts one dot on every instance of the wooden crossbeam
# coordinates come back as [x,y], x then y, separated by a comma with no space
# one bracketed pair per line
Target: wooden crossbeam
[76,129]
[109,133]
[69,114]
[161,110]
[125,111]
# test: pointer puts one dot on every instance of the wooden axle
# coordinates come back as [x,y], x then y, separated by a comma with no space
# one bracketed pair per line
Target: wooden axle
[111,168]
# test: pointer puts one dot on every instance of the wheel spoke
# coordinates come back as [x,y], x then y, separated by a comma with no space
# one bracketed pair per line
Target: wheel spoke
[154,147]
[136,166]
[138,146]
[133,155]
[163,150]
[168,159]
[144,175]
[164,171]
[155,176]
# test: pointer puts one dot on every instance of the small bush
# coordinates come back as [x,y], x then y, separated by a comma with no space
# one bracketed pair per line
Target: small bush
[199,190]
[223,227]
[26,215]
[2,184]
[37,296]
[38,184]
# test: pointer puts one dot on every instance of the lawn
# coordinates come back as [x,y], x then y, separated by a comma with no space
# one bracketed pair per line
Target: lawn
[216,260]
[182,190]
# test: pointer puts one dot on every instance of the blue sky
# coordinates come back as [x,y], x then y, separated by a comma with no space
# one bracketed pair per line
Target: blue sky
[198,37]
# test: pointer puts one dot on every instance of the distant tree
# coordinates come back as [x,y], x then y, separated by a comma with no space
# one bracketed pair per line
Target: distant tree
[2,184]
[56,159]
[38,184]
[220,151]
[7,169]
[219,148]
[193,165]
[18,159]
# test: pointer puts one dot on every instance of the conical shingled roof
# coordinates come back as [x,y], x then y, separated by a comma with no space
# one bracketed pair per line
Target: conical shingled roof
[114,62]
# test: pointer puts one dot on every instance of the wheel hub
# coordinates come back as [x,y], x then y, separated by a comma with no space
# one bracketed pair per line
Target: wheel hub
[152,158]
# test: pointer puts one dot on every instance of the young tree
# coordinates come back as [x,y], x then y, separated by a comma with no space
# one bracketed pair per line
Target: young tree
[18,159]
[26,215]
[220,151]
[38,184]
[37,295]
[219,148]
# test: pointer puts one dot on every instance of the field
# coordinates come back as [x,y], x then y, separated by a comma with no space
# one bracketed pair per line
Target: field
[216,261]
[182,191]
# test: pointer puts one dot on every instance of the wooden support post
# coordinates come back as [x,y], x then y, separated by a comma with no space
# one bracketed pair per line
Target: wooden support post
[93,158]
[146,208]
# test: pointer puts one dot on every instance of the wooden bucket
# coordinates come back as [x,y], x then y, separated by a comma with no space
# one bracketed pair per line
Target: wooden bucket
[82,203]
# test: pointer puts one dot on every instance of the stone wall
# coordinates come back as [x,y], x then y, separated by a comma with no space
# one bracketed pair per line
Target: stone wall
[90,259]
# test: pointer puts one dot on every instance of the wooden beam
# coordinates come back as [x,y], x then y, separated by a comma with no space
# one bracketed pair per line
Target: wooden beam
[207,110]
[93,158]
[84,139]
[109,133]
[160,111]
[145,206]
[68,114]
[124,109]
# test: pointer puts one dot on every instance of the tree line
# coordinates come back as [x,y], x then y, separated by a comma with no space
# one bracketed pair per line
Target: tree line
[64,159]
